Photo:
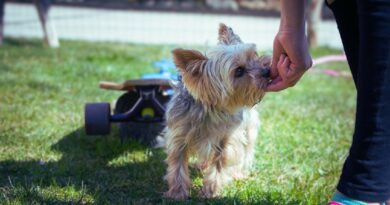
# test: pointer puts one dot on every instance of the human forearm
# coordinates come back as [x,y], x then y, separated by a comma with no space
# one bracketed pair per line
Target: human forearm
[291,57]
[293,14]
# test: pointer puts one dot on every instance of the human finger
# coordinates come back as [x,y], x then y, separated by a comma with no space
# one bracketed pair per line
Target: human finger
[277,51]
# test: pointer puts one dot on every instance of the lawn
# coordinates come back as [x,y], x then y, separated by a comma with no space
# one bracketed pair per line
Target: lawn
[45,157]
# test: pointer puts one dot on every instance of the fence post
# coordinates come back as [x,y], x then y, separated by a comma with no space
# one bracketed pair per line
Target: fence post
[50,34]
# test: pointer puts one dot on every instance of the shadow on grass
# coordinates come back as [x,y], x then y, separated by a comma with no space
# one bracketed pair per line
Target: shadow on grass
[86,166]
[24,42]
[94,170]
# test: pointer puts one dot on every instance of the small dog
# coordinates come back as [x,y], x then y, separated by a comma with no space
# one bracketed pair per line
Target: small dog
[211,115]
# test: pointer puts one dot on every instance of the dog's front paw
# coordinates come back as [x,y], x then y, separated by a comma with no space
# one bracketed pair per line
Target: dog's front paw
[209,190]
[176,194]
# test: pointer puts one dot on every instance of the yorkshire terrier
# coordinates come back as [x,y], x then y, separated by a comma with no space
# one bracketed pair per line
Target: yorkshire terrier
[211,116]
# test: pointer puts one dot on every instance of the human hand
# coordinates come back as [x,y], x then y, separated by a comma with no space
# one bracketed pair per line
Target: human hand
[290,59]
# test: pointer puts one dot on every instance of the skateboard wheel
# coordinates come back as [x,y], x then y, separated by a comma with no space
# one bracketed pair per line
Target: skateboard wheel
[97,118]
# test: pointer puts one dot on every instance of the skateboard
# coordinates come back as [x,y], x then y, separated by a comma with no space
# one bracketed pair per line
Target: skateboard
[139,111]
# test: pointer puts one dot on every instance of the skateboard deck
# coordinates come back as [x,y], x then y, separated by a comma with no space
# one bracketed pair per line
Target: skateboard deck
[132,84]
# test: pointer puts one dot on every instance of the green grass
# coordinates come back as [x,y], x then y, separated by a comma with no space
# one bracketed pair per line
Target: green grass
[45,157]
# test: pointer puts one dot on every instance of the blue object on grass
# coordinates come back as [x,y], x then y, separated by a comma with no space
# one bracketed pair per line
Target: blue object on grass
[165,66]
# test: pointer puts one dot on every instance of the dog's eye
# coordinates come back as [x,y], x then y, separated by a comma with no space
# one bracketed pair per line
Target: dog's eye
[239,72]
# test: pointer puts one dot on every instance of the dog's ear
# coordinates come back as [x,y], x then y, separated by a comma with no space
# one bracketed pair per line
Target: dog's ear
[192,64]
[226,36]
[189,61]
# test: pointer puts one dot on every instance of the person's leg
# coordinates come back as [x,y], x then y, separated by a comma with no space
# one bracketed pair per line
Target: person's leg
[366,172]
[2,3]
[345,13]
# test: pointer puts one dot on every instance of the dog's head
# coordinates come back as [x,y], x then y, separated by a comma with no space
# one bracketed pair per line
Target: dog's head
[230,76]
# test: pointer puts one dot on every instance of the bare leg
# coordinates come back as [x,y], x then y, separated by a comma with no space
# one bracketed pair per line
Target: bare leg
[2,3]
[50,34]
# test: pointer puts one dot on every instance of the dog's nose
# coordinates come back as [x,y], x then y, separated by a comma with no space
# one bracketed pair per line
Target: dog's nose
[266,72]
